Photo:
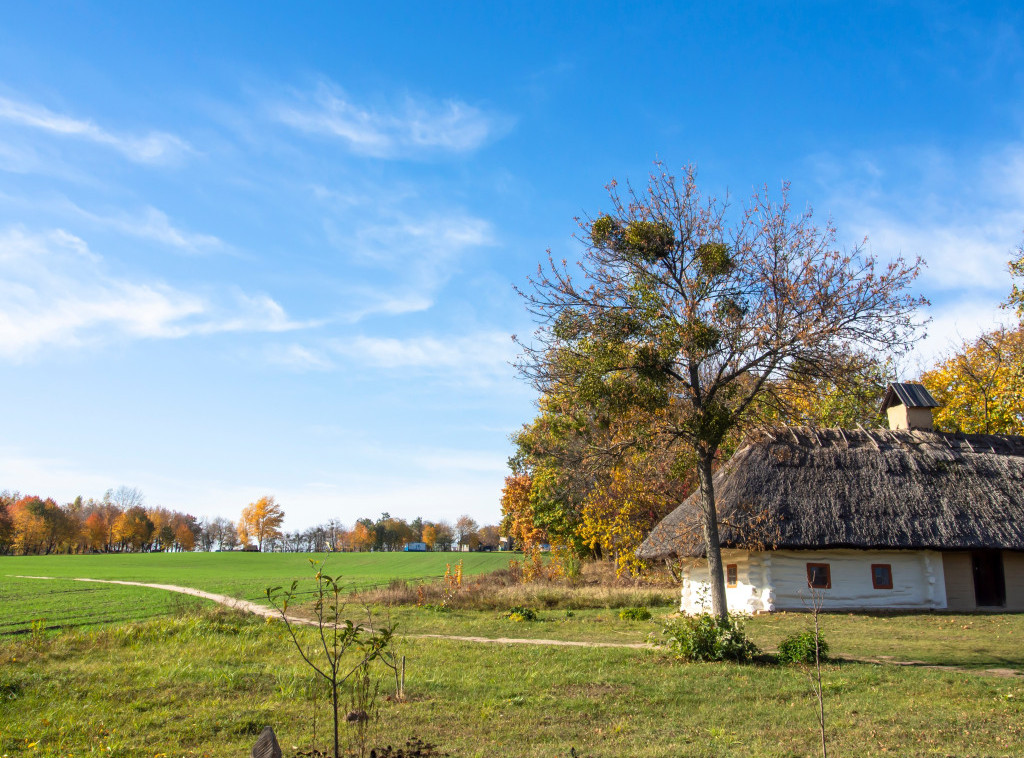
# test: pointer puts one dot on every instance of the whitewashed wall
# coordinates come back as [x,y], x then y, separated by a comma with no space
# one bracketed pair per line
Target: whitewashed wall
[778,581]
[752,593]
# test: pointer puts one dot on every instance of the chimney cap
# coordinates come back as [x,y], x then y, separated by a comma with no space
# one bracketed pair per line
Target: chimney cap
[908,394]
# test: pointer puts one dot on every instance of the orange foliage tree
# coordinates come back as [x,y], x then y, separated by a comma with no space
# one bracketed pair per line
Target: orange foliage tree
[429,536]
[41,527]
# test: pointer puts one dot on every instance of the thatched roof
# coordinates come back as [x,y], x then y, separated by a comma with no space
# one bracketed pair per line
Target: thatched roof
[828,488]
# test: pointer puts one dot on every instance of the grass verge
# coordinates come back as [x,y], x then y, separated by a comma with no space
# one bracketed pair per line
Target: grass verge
[205,684]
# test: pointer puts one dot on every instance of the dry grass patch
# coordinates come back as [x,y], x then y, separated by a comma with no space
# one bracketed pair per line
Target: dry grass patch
[597,587]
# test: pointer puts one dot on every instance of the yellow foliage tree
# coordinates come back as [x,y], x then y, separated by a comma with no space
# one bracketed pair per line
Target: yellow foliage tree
[517,513]
[1016,298]
[429,536]
[362,537]
[981,386]
[261,521]
[619,513]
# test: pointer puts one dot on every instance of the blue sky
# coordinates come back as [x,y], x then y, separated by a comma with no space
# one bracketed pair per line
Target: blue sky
[266,248]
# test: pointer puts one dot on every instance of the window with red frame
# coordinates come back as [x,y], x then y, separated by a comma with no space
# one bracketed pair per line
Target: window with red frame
[881,576]
[819,576]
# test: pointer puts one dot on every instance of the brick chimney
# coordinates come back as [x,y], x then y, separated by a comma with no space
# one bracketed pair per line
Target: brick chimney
[909,406]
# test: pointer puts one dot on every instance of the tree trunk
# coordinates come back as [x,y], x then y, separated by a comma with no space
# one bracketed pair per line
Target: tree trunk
[334,703]
[719,606]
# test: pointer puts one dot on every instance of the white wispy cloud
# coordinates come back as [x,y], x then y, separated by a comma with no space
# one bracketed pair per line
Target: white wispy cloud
[55,292]
[154,147]
[963,215]
[418,255]
[298,358]
[479,358]
[413,127]
[152,224]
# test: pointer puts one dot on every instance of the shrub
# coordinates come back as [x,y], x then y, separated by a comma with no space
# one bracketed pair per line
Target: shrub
[521,613]
[634,614]
[799,648]
[708,638]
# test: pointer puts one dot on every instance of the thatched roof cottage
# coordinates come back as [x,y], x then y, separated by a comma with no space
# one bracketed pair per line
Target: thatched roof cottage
[905,518]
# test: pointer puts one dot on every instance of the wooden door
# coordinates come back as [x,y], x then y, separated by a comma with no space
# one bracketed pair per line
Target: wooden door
[989,583]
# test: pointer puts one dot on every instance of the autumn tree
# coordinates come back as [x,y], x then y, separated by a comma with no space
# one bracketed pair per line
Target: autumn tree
[41,527]
[261,521]
[517,518]
[489,536]
[184,536]
[980,386]
[428,535]
[7,499]
[683,304]
[363,535]
[133,529]
[391,533]
[94,530]
[228,536]
[444,535]
[1016,297]
[466,531]
[125,497]
[628,501]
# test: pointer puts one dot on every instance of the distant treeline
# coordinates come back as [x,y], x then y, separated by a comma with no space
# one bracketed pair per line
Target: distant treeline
[120,522]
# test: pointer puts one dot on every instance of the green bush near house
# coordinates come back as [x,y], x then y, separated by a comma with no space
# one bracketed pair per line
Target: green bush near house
[800,647]
[708,638]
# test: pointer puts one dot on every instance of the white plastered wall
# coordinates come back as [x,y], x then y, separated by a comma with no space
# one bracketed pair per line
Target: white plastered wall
[777,580]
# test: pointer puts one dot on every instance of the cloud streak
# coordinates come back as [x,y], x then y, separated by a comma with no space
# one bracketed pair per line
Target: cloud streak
[415,127]
[152,148]
[153,224]
[962,215]
[55,292]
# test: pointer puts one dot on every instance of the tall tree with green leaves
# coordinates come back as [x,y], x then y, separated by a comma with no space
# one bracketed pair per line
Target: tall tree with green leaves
[681,303]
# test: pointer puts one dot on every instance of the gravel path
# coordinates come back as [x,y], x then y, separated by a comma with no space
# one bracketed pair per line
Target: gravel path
[267,612]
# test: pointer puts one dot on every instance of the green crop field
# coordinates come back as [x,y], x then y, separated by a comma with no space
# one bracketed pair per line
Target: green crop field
[241,575]
[62,603]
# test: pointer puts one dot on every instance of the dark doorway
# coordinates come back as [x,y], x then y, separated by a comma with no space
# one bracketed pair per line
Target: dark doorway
[989,585]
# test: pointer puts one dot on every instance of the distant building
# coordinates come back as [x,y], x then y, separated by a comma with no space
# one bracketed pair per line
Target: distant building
[415,547]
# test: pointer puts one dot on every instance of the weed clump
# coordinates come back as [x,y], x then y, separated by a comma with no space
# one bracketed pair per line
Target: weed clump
[639,613]
[705,637]
[521,613]
[800,648]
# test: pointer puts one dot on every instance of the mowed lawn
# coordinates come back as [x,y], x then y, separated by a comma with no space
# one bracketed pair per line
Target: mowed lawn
[241,575]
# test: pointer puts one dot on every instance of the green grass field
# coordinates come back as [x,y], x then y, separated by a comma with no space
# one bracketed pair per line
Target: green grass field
[126,671]
[206,684]
[241,575]
[65,604]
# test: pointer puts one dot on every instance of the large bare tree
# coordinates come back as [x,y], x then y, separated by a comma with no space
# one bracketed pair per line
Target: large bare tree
[685,303]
